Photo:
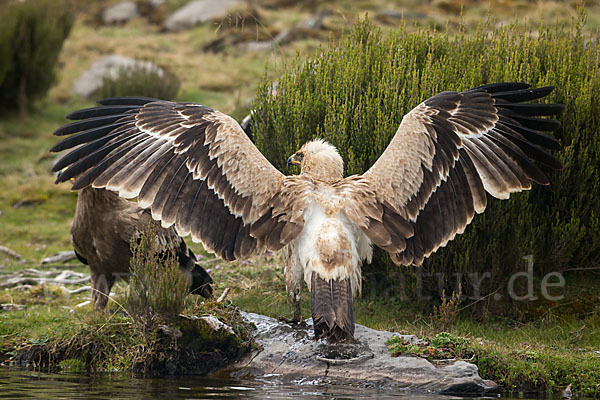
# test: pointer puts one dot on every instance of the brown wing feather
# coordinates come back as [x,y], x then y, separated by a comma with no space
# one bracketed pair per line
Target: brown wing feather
[193,166]
[450,150]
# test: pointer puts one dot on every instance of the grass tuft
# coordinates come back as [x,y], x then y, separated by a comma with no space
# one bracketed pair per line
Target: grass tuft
[157,288]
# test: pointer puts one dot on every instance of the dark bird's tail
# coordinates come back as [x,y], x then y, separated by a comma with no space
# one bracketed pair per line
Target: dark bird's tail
[332,312]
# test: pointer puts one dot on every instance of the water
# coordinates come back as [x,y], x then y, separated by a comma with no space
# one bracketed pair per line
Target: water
[22,384]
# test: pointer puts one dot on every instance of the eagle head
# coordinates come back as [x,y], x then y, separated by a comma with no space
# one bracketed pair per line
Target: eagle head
[319,160]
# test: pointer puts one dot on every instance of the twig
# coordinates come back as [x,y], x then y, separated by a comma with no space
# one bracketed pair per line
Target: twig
[11,307]
[10,252]
[61,256]
[79,290]
[37,281]
[33,271]
[223,295]
[67,274]
[23,287]
[85,303]
[62,266]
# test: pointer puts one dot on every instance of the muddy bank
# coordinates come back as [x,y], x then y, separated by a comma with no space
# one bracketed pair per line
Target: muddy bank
[187,345]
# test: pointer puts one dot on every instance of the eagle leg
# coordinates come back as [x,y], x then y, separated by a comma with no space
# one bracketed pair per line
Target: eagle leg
[101,285]
[297,317]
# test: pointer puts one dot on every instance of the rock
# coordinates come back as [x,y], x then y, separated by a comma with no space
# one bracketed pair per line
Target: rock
[92,79]
[214,323]
[198,12]
[393,17]
[567,393]
[120,13]
[290,353]
[170,331]
[255,46]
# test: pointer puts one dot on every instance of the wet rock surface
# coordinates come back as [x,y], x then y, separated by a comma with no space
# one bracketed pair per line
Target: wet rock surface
[291,353]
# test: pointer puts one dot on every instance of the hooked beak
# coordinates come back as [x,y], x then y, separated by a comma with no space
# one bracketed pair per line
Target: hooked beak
[293,160]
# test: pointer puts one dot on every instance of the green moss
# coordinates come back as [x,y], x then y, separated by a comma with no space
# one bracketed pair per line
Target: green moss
[540,372]
[543,370]
[443,346]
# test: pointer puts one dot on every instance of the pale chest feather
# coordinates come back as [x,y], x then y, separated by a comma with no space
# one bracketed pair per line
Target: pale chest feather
[330,244]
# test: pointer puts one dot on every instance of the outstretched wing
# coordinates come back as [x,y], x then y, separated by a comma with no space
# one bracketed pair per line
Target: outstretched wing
[450,150]
[194,167]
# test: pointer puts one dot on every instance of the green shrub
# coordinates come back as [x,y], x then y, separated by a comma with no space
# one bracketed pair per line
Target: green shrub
[31,36]
[157,288]
[146,82]
[354,95]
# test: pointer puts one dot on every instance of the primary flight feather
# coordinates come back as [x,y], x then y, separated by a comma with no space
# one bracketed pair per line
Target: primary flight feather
[196,169]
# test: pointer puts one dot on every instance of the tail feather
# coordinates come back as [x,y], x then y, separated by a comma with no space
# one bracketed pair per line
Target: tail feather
[332,309]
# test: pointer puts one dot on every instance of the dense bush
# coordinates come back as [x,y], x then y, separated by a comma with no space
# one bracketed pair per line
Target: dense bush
[31,36]
[157,288]
[147,82]
[354,95]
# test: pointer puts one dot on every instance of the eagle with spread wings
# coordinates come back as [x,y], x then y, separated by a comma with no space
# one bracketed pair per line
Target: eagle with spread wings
[196,170]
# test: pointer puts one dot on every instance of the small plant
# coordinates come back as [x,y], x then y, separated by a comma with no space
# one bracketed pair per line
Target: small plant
[446,339]
[141,81]
[398,346]
[31,37]
[444,346]
[445,314]
[157,288]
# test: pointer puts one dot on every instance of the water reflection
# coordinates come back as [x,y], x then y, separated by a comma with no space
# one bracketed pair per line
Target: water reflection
[21,384]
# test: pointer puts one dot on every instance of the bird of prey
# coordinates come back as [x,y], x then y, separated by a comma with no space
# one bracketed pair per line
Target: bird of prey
[196,170]
[101,233]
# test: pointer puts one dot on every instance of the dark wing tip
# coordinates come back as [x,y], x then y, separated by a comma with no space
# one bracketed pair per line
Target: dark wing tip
[521,95]
[499,87]
[127,100]
[100,111]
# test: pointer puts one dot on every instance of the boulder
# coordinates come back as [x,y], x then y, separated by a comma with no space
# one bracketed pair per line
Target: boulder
[120,13]
[198,12]
[110,66]
[291,353]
